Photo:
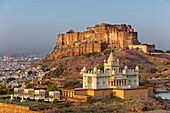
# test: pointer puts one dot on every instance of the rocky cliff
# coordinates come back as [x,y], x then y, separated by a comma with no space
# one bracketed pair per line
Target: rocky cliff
[94,39]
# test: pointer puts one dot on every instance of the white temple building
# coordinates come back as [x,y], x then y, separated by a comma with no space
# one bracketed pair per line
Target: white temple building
[112,77]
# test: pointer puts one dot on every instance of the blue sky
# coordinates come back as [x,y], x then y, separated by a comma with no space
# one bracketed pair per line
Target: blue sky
[31,26]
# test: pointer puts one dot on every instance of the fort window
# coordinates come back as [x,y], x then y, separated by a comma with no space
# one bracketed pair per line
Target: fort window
[103,82]
[135,81]
[98,83]
[111,83]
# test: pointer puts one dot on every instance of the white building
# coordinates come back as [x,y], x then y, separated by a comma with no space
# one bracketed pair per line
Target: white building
[54,95]
[112,77]
[39,94]
[29,93]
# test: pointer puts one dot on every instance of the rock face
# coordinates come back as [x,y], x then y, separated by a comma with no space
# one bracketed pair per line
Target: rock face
[94,39]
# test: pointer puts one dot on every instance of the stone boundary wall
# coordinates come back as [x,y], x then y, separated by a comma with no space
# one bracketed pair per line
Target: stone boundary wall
[84,95]
[11,108]
[136,93]
[15,106]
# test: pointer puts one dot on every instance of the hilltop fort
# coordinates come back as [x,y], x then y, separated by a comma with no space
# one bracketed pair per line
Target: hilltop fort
[97,39]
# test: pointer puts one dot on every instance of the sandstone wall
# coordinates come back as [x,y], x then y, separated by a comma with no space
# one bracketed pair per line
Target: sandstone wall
[10,108]
[142,47]
[136,93]
[150,92]
[81,92]
[119,93]
[83,95]
[94,39]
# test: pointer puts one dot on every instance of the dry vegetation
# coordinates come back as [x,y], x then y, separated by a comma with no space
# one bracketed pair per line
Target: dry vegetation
[152,65]
[112,105]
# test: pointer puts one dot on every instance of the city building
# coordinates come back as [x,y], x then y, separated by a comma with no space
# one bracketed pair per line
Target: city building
[37,95]
[146,48]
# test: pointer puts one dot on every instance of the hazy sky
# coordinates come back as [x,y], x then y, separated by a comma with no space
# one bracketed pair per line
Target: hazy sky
[31,26]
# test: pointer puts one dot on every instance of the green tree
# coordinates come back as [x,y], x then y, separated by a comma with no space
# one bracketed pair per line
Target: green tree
[89,69]
[168,51]
[29,85]
[46,83]
[59,71]
[30,72]
[88,54]
[52,87]
[71,31]
[107,51]
[70,83]
[167,63]
[45,68]
[101,67]
[91,54]
[10,79]
[55,101]
[1,74]
[3,89]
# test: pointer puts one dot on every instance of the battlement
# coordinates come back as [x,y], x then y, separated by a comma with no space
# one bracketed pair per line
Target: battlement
[120,72]
[103,27]
[117,34]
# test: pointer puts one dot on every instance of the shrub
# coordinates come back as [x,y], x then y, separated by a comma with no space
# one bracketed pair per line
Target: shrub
[3,89]
[45,68]
[112,95]
[30,72]
[90,54]
[89,69]
[29,85]
[70,84]
[107,51]
[71,31]
[167,63]
[5,97]
[59,71]
[10,79]
[153,70]
[101,67]
[52,87]
[87,55]
[46,83]
[55,101]
[168,51]
[98,55]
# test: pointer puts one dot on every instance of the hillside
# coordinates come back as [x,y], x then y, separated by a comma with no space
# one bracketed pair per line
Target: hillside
[153,65]
[89,48]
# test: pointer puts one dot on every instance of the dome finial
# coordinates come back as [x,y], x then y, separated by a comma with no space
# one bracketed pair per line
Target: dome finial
[137,68]
[111,57]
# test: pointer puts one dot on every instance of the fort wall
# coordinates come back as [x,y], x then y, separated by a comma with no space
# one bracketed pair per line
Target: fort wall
[143,47]
[94,39]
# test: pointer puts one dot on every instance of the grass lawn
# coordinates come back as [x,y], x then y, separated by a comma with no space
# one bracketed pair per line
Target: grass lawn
[34,103]
[2,96]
